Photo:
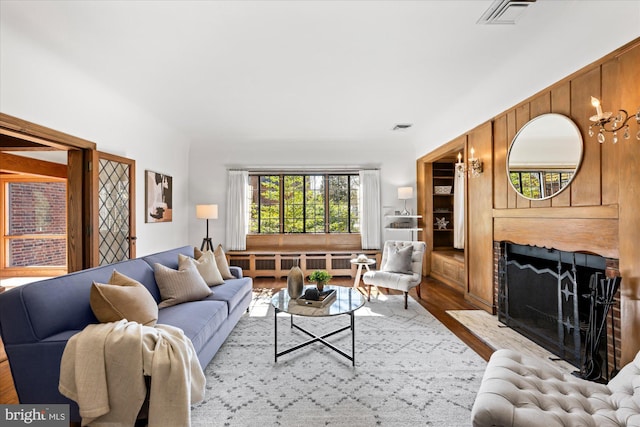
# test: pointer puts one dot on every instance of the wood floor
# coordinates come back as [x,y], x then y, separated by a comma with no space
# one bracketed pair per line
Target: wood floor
[436,298]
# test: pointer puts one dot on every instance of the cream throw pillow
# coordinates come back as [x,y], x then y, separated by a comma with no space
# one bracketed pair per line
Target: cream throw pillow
[223,265]
[206,266]
[178,286]
[221,261]
[123,298]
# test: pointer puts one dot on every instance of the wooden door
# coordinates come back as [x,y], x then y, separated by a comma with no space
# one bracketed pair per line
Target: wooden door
[116,209]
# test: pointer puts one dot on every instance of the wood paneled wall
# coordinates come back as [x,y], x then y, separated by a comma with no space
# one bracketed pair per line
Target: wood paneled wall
[479,244]
[599,212]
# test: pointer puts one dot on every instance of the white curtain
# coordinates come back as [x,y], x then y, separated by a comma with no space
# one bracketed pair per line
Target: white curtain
[458,210]
[369,204]
[237,210]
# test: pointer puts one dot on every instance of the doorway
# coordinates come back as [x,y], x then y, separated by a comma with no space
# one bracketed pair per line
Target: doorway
[116,208]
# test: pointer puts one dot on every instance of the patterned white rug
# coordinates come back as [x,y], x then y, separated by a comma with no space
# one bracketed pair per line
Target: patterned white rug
[410,370]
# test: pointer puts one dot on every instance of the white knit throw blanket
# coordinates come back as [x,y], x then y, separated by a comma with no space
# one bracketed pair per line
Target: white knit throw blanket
[103,369]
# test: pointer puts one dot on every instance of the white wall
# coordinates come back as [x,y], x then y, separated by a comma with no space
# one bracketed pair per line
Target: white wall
[39,87]
[208,172]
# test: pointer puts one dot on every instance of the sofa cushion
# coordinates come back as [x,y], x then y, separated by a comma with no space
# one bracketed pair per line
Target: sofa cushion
[206,266]
[232,292]
[198,319]
[178,286]
[387,279]
[123,298]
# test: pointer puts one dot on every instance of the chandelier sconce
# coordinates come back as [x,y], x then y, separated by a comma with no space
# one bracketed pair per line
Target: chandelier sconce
[605,122]
[475,165]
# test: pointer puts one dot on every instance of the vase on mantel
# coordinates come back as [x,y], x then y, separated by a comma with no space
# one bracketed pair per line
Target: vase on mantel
[295,282]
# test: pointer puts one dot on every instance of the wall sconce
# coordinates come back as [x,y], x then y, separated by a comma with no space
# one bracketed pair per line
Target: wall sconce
[603,119]
[461,168]
[207,212]
[405,193]
[475,165]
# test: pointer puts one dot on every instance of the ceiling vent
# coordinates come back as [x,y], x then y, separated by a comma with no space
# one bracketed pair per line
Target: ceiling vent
[504,11]
[402,126]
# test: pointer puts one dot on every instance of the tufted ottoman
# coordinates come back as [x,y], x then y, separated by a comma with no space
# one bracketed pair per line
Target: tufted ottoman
[519,390]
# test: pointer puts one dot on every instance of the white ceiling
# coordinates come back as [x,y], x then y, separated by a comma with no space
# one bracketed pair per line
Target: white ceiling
[246,72]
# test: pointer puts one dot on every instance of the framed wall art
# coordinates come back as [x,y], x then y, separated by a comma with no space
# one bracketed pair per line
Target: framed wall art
[158,197]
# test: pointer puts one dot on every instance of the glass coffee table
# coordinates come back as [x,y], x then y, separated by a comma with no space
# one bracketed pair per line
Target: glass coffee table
[347,302]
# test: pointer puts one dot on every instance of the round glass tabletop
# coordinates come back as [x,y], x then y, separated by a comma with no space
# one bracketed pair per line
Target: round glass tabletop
[347,300]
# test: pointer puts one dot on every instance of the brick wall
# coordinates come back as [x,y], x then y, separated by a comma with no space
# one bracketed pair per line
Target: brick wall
[37,208]
[613,322]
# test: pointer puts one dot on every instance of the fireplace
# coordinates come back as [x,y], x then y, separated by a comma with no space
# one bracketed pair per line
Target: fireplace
[548,296]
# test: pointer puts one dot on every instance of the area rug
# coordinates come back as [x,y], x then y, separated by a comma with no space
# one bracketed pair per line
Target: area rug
[410,370]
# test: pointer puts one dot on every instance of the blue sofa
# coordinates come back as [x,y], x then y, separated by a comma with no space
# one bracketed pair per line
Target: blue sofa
[37,320]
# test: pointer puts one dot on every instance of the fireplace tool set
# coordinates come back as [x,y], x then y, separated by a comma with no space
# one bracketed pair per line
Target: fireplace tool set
[602,293]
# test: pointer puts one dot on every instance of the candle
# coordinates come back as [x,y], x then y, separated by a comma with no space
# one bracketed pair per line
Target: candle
[596,103]
[459,157]
[472,154]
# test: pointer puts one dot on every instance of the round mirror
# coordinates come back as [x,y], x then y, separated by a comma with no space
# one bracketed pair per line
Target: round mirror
[544,156]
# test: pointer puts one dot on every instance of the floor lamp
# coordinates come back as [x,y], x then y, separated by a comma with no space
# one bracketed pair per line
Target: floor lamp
[207,212]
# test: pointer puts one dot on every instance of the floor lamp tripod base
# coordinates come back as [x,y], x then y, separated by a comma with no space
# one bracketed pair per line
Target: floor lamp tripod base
[206,243]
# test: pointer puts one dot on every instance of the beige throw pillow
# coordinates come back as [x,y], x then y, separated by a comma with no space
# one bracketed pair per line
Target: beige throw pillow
[221,261]
[197,253]
[123,298]
[178,286]
[206,266]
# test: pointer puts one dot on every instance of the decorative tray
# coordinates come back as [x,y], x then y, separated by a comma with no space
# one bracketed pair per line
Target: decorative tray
[326,297]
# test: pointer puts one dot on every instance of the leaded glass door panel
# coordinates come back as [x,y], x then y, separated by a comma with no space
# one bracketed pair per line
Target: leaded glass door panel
[116,209]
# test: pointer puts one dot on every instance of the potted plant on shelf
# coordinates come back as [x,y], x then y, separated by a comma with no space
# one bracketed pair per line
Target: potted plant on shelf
[320,277]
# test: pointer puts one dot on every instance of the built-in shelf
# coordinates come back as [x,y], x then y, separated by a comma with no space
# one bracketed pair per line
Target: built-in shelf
[443,176]
[403,223]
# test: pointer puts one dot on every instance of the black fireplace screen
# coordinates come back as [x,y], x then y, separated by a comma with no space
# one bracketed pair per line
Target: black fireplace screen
[544,294]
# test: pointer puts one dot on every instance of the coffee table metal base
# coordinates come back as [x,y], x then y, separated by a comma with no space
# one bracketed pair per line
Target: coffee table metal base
[317,338]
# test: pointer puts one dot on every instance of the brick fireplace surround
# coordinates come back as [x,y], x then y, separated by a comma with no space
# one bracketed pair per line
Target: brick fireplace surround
[612,269]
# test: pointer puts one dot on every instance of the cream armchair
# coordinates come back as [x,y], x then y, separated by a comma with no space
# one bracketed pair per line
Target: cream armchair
[400,268]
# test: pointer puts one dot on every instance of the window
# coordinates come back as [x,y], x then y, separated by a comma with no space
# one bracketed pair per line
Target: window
[539,184]
[304,203]
[35,231]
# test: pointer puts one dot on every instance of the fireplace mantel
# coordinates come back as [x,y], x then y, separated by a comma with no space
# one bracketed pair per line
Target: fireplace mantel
[582,229]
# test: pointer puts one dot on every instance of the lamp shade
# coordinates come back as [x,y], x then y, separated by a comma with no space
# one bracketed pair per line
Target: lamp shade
[207,211]
[405,193]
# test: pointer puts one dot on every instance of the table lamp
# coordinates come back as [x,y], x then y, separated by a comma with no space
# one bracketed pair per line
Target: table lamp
[405,193]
